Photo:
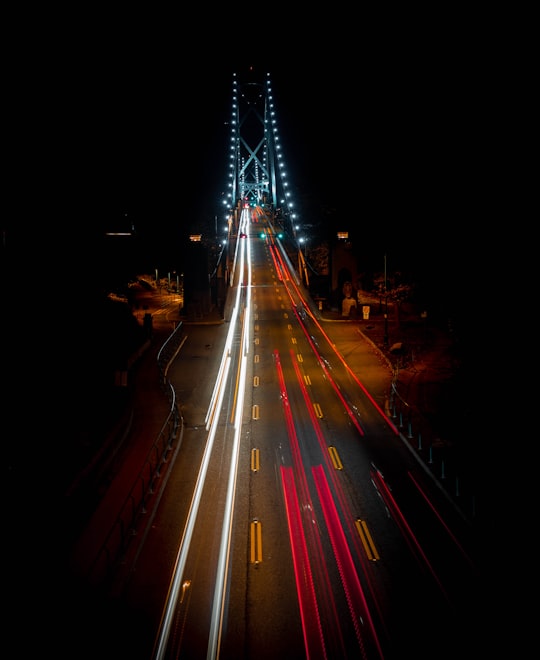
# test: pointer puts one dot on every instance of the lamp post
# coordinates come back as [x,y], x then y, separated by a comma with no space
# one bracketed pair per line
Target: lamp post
[302,266]
[385,338]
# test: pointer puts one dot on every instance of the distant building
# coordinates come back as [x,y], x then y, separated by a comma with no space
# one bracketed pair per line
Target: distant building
[344,265]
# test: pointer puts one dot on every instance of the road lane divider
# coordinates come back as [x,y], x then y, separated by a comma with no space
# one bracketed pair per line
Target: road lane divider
[255,533]
[255,460]
[367,541]
[336,460]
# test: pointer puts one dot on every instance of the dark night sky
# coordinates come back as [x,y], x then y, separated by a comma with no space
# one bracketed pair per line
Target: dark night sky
[389,136]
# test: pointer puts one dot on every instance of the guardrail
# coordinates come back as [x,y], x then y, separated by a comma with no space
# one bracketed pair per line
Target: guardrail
[145,486]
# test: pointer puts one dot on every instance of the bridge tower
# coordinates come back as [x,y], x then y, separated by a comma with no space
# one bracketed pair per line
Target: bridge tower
[254,172]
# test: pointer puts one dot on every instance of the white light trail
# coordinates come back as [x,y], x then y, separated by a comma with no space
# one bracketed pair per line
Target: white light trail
[212,420]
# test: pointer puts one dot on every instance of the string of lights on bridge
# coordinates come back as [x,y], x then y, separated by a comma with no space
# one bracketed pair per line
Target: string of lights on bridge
[269,173]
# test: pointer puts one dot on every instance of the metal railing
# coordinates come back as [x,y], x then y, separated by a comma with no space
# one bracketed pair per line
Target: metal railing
[145,486]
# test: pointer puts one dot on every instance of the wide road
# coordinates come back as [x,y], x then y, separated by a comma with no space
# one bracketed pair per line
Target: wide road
[295,522]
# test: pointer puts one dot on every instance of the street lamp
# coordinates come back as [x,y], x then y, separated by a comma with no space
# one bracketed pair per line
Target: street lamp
[385,338]
[302,267]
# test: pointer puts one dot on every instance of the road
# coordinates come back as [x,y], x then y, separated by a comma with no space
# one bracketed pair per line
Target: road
[297,522]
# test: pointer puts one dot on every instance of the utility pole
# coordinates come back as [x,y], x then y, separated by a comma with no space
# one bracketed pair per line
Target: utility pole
[385,339]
